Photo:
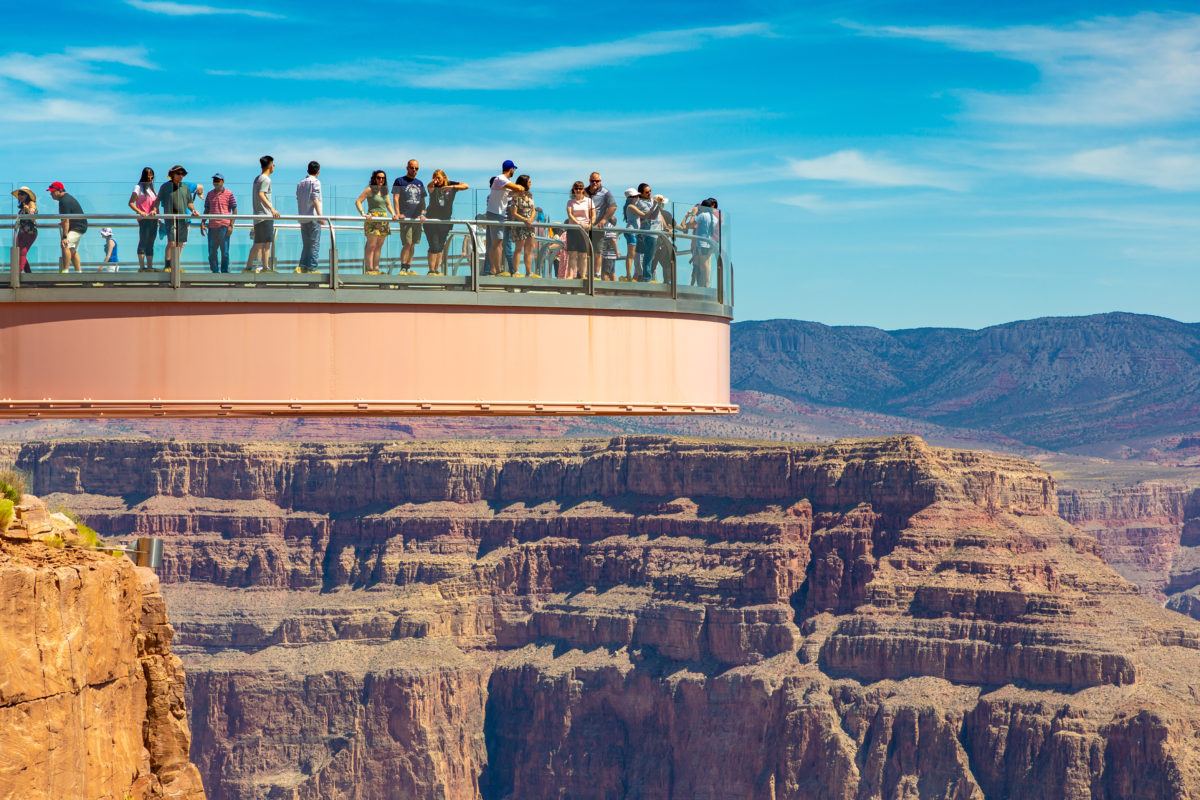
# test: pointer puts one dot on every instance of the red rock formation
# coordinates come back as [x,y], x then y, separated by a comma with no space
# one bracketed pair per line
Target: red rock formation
[91,696]
[647,617]
[1149,532]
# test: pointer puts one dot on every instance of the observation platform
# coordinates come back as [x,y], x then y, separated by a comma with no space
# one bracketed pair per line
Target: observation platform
[340,341]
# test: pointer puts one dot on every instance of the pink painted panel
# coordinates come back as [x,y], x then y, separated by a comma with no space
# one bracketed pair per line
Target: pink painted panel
[240,354]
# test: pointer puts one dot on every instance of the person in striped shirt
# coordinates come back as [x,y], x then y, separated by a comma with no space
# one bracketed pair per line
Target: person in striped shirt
[219,201]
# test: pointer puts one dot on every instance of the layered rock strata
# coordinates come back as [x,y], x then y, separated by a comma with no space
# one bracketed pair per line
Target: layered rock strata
[646,617]
[1149,532]
[91,696]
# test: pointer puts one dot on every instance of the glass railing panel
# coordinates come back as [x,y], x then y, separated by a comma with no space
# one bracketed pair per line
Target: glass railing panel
[672,255]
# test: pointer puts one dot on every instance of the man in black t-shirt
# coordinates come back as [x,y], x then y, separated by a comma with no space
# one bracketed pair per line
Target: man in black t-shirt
[72,229]
[174,197]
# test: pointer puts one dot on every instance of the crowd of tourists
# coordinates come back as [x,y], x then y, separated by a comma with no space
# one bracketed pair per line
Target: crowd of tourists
[519,231]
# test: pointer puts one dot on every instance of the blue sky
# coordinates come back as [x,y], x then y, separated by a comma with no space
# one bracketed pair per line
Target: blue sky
[882,163]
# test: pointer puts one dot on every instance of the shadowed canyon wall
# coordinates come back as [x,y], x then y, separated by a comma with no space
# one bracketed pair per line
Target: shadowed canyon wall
[645,617]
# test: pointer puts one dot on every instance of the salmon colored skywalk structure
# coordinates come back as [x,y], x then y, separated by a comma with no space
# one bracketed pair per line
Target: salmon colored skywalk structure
[340,342]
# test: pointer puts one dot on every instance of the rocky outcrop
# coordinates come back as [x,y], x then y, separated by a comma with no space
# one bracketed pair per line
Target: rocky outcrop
[91,697]
[646,617]
[1149,532]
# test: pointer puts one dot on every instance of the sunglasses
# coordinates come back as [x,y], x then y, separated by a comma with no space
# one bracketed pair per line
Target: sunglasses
[594,180]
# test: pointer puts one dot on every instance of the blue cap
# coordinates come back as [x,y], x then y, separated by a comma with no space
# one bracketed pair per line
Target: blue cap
[508,165]
[218,176]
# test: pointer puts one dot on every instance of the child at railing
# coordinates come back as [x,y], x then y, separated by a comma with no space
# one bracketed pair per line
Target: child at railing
[111,261]
[608,251]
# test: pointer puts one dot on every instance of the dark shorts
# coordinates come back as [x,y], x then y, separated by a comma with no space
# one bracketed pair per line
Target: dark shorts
[597,239]
[177,230]
[577,241]
[264,232]
[437,232]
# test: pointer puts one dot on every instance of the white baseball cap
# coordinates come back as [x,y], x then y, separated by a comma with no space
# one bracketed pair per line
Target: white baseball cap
[106,233]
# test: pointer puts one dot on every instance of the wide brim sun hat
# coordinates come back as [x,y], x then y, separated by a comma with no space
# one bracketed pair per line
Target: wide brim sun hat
[16,192]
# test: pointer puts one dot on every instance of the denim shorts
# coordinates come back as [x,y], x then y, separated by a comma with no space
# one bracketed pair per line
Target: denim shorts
[631,239]
[494,232]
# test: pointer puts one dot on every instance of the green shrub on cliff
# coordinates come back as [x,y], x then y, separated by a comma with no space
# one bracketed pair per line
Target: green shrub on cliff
[86,532]
[54,541]
[13,484]
[6,514]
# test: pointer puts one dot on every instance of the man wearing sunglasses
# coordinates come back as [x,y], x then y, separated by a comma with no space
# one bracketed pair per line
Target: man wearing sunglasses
[606,209]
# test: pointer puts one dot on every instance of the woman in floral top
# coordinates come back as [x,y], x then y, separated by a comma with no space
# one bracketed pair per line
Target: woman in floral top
[523,209]
[26,228]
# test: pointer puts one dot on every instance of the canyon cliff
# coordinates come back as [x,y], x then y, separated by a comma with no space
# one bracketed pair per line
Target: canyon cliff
[646,618]
[1149,532]
[91,696]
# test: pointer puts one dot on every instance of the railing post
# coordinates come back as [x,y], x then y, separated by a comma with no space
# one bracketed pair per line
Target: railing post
[720,274]
[177,265]
[674,253]
[474,265]
[674,267]
[274,236]
[333,257]
[731,282]
[14,265]
[591,263]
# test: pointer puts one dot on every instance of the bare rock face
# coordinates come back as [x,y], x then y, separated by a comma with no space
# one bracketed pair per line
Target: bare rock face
[91,696]
[1149,532]
[646,617]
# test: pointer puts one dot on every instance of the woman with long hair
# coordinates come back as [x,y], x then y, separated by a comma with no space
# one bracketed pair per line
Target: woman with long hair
[523,209]
[581,215]
[26,228]
[379,210]
[144,202]
[440,207]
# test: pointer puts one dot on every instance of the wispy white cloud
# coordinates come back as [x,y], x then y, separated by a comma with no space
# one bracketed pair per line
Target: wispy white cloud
[74,68]
[1109,71]
[856,168]
[546,67]
[524,70]
[819,204]
[52,110]
[171,8]
[128,56]
[1159,163]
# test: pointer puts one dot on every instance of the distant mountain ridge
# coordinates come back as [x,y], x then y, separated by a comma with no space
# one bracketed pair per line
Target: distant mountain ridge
[1054,382]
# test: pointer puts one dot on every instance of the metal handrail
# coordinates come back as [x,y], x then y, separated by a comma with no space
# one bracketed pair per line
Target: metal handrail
[200,217]
[336,222]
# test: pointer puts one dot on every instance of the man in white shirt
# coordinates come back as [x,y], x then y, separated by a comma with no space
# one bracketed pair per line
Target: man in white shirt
[500,191]
[308,204]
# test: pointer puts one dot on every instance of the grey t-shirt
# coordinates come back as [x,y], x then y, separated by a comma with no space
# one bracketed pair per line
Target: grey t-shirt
[603,200]
[262,184]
